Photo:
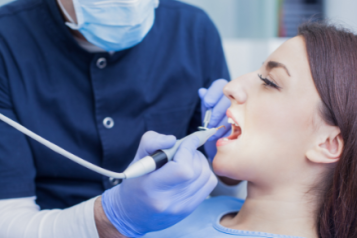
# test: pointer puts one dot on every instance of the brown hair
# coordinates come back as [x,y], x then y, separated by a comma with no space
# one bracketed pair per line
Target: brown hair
[332,54]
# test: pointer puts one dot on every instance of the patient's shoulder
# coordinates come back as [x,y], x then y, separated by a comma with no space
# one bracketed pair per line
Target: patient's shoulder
[201,221]
[211,209]
[222,203]
[228,199]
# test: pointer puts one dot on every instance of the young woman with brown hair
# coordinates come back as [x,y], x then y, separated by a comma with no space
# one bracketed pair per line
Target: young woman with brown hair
[294,138]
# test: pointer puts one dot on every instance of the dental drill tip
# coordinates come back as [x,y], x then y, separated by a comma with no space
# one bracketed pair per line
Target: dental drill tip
[221,127]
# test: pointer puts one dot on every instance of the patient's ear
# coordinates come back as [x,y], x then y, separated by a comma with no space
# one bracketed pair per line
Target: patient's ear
[328,146]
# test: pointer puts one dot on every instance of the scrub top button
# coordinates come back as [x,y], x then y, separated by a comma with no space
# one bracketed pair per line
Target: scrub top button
[114,181]
[108,122]
[102,63]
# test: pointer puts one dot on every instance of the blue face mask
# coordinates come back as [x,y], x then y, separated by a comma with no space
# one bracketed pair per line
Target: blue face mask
[113,25]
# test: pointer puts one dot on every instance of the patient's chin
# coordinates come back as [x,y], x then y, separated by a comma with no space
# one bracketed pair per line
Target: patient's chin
[219,166]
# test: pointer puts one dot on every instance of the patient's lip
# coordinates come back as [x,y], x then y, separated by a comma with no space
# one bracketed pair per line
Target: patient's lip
[222,142]
[225,141]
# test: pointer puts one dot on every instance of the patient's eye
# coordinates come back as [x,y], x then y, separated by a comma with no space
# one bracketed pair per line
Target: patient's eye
[268,82]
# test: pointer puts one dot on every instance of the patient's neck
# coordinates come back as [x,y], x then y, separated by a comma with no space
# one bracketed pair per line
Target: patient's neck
[285,211]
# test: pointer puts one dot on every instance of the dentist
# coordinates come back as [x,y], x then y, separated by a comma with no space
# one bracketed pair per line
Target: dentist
[92,76]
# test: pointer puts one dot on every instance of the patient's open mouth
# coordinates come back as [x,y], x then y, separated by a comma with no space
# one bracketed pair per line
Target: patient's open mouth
[236,131]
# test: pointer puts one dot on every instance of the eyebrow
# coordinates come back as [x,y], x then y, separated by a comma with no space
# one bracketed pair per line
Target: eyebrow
[273,64]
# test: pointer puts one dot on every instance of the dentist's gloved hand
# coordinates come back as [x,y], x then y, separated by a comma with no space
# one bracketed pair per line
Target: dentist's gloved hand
[164,197]
[213,98]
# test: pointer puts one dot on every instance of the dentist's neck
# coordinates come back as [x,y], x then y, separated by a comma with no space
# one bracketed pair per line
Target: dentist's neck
[287,211]
[68,6]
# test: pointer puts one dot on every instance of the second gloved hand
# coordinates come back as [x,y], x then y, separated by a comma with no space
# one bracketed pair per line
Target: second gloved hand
[213,98]
[164,197]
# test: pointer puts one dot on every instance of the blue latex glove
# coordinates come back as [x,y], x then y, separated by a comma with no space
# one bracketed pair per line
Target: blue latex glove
[164,197]
[213,98]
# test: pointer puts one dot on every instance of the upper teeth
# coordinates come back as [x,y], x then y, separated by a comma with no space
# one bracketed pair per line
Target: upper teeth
[230,120]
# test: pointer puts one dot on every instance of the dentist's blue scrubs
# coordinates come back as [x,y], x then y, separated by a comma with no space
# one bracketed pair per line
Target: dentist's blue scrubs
[95,105]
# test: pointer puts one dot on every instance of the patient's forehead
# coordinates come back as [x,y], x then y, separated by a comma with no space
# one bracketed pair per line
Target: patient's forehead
[293,55]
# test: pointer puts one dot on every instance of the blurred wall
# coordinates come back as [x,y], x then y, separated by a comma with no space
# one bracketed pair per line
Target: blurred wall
[247,28]
[247,55]
[342,12]
[242,18]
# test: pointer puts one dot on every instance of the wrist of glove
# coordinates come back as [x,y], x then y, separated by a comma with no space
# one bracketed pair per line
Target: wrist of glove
[111,203]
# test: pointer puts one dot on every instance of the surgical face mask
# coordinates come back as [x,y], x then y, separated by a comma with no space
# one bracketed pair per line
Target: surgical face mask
[113,25]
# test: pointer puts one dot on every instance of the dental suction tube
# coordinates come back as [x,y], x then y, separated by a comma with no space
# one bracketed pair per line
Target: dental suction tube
[61,151]
[139,168]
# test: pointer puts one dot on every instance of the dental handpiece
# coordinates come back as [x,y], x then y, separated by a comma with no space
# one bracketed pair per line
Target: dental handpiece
[161,157]
[139,168]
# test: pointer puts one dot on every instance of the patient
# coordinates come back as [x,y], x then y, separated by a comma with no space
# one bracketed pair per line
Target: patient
[294,138]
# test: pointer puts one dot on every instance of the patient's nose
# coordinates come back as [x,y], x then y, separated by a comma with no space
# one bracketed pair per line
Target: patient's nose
[235,92]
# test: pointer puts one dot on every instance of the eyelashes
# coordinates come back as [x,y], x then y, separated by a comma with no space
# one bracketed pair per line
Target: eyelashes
[268,83]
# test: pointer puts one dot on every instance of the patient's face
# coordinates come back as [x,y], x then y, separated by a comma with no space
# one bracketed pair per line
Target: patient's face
[276,115]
